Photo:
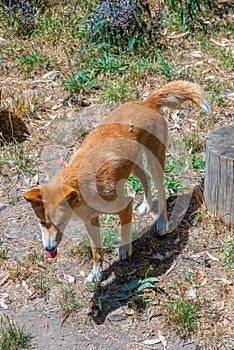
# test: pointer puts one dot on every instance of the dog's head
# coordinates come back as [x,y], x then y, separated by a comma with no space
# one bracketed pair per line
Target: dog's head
[53,207]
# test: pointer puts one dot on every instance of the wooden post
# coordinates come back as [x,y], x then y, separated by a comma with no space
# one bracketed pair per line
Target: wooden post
[219,176]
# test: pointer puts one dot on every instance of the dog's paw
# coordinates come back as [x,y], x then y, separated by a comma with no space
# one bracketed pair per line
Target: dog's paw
[95,275]
[162,226]
[144,209]
[125,251]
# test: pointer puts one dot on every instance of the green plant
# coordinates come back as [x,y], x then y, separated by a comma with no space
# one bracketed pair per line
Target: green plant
[226,57]
[42,287]
[182,315]
[135,183]
[173,173]
[19,158]
[191,11]
[31,62]
[125,24]
[196,217]
[110,64]
[85,247]
[117,90]
[194,142]
[198,163]
[110,238]
[141,292]
[3,251]
[67,302]
[36,255]
[228,250]
[13,337]
[165,67]
[81,133]
[81,83]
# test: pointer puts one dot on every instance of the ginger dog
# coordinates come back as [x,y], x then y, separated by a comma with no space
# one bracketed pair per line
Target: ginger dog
[93,183]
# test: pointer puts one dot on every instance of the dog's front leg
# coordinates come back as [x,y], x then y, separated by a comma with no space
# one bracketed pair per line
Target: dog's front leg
[93,229]
[126,242]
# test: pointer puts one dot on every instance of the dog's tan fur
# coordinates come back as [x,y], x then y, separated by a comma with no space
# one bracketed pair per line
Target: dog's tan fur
[93,182]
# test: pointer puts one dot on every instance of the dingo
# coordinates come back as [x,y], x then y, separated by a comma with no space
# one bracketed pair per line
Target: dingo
[93,183]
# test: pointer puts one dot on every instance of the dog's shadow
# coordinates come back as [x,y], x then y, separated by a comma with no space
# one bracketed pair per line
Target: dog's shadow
[152,257]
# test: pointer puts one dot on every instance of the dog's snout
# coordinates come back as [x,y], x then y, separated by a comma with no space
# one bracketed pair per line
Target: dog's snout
[50,248]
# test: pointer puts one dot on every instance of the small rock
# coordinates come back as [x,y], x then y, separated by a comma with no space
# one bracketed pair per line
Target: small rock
[117,314]
[2,206]
[210,77]
[51,75]
[31,93]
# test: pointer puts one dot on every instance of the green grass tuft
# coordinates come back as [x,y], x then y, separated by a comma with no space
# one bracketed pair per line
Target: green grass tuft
[182,315]
[13,337]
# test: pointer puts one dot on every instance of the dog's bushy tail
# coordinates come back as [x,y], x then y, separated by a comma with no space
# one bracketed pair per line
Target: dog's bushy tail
[175,93]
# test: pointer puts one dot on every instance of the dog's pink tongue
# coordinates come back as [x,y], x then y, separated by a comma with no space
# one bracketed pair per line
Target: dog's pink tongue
[52,254]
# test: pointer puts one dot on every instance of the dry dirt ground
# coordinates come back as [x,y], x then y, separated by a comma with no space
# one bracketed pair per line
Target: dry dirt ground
[189,262]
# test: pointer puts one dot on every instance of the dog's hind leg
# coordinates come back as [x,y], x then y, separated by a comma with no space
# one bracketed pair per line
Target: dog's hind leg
[93,229]
[125,216]
[156,162]
[144,178]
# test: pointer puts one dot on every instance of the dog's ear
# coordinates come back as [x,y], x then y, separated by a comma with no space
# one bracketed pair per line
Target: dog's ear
[33,196]
[70,195]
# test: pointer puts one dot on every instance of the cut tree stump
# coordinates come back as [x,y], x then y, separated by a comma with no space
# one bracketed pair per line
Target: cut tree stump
[219,177]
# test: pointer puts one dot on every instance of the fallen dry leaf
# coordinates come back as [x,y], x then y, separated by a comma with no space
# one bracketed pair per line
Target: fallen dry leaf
[221,305]
[57,106]
[115,339]
[45,165]
[3,298]
[163,340]
[70,279]
[45,324]
[191,294]
[81,272]
[197,53]
[52,116]
[151,341]
[232,289]
[211,256]
[226,322]
[24,284]
[170,269]
[178,36]
[35,180]
[4,279]
[67,241]
[223,280]
[129,312]
[202,280]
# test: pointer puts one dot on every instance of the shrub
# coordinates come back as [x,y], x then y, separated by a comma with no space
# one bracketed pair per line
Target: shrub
[23,12]
[123,23]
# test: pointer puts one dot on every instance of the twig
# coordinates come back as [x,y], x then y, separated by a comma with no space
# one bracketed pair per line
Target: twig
[171,268]
[11,187]
[20,228]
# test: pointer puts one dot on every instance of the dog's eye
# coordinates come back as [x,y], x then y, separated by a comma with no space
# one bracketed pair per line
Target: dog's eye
[43,223]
